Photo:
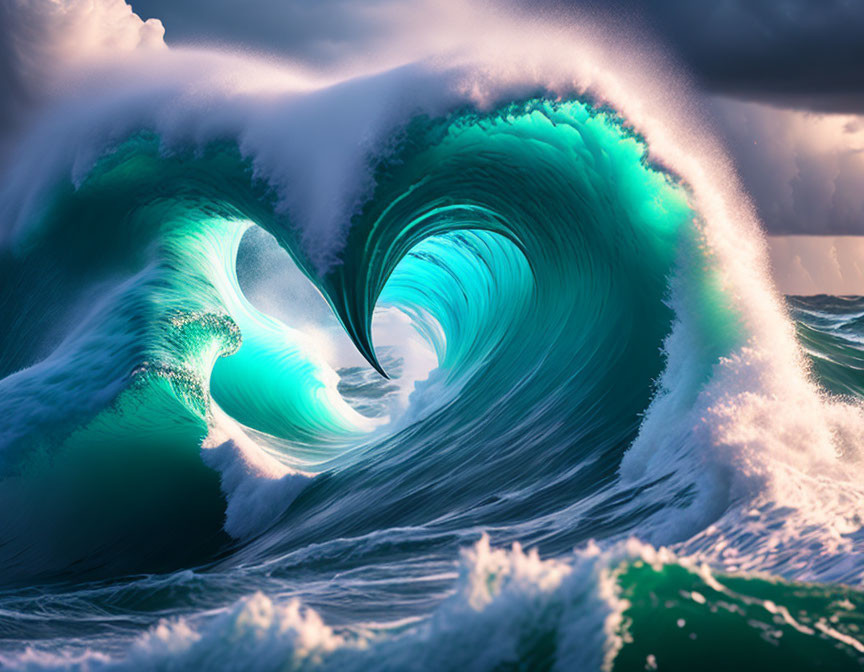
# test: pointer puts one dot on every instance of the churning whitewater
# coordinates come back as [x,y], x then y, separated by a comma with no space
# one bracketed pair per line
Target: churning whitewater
[458,362]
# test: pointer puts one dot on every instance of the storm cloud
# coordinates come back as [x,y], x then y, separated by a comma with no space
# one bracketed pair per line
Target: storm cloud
[805,52]
[805,171]
[800,50]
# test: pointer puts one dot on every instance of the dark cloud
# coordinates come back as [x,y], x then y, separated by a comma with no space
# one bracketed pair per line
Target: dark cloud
[804,171]
[319,32]
[799,53]
[796,53]
[796,48]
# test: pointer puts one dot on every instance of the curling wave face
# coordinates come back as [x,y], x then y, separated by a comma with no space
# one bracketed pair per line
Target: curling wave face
[609,362]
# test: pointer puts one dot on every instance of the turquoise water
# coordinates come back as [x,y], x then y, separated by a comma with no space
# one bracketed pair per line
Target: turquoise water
[190,482]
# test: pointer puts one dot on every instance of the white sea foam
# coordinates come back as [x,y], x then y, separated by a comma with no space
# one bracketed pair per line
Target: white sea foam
[507,605]
[257,486]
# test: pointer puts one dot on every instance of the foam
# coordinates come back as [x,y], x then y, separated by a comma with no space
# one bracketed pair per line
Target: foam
[505,605]
[509,608]
[257,486]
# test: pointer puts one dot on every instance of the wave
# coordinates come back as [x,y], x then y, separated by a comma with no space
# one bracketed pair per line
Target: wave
[610,360]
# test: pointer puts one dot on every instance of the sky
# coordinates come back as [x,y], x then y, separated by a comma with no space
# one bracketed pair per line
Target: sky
[784,81]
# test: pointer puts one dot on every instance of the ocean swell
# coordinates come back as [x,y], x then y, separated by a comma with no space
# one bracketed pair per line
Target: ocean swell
[610,361]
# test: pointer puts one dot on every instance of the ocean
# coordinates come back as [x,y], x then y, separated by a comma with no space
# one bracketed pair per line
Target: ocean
[443,367]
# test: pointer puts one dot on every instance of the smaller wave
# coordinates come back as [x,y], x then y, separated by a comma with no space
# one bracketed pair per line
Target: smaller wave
[512,609]
[509,607]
